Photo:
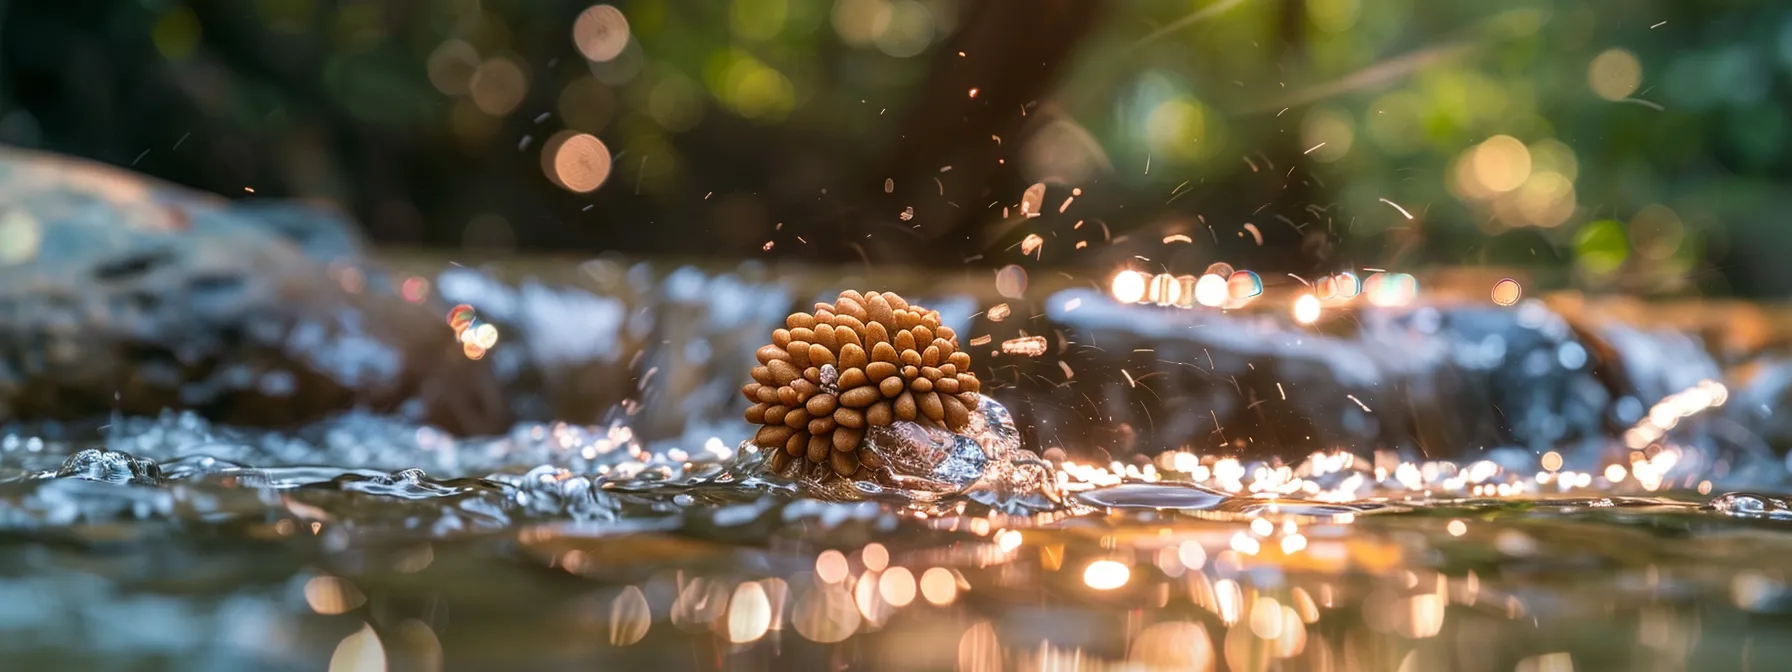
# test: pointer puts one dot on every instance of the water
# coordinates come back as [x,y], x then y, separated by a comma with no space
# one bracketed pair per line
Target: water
[371,542]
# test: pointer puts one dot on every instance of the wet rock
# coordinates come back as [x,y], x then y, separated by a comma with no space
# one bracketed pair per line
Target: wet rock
[119,293]
[1117,381]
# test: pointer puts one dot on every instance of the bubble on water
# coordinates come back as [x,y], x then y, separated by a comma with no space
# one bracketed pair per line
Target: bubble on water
[1011,281]
[1507,291]
[908,213]
[1244,285]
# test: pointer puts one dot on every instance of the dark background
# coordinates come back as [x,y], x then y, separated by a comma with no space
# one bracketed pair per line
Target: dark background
[1654,132]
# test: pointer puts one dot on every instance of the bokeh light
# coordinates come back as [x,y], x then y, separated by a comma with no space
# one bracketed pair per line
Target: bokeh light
[600,33]
[1011,282]
[577,162]
[1212,290]
[1306,309]
[1128,286]
[1615,74]
[1507,291]
[498,86]
[1502,163]
[1243,285]
[451,66]
[1656,232]
[1106,575]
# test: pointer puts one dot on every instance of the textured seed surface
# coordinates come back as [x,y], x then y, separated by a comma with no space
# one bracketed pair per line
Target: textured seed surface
[865,360]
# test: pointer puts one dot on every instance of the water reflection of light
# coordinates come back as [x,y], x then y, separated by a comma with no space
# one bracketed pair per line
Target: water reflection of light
[419,643]
[749,613]
[825,613]
[1559,661]
[875,556]
[869,601]
[1421,616]
[1266,618]
[1192,555]
[897,586]
[1614,473]
[1262,527]
[979,650]
[1293,543]
[1293,639]
[1228,600]
[1008,540]
[1173,645]
[1106,575]
[331,595]
[830,566]
[938,586]
[359,652]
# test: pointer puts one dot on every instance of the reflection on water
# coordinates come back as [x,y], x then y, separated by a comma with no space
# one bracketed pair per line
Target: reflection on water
[1341,562]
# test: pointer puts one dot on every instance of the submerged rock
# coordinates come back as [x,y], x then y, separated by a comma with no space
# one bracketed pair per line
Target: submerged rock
[123,294]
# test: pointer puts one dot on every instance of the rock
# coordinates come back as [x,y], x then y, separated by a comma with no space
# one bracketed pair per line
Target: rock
[1120,381]
[121,293]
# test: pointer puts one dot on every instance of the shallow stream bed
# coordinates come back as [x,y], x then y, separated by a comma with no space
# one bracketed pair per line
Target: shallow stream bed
[1330,532]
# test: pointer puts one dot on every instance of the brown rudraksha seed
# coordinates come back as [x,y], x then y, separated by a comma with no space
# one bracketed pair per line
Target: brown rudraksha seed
[864,361]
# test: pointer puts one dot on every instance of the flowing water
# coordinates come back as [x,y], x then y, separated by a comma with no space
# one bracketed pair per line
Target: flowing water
[369,542]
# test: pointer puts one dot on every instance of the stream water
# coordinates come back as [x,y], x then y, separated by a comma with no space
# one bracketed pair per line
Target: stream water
[372,543]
